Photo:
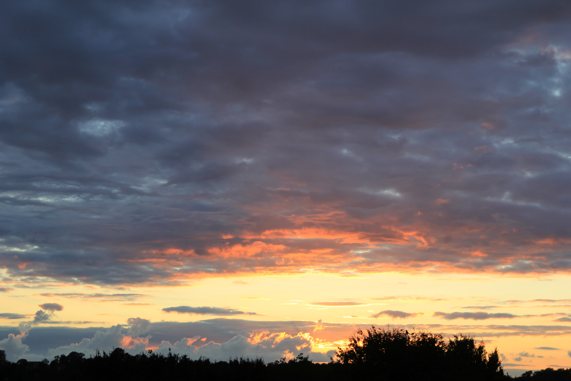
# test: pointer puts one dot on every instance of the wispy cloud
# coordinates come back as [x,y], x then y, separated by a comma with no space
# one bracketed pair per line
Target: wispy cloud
[11,316]
[395,314]
[206,310]
[337,304]
[98,296]
[474,315]
[547,348]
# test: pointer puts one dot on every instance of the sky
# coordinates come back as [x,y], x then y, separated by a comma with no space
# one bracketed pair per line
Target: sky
[260,179]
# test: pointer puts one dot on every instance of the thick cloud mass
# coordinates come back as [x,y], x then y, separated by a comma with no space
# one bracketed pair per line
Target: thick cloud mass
[148,141]
[218,340]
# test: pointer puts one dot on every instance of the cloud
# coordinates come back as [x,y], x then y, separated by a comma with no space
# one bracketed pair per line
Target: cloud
[41,316]
[336,304]
[268,346]
[564,319]
[13,346]
[474,315]
[11,316]
[140,334]
[395,314]
[265,344]
[307,158]
[98,296]
[526,355]
[51,307]
[206,310]
[103,340]
[547,348]
[138,326]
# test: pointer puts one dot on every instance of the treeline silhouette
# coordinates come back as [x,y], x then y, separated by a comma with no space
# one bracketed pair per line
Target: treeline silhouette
[374,354]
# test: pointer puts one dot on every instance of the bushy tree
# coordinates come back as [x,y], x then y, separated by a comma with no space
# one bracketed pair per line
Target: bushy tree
[397,354]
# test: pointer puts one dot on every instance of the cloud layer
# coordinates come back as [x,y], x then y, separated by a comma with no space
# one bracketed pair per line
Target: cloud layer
[474,315]
[145,142]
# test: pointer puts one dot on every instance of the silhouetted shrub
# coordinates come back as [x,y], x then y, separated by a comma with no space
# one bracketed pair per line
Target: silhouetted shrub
[402,355]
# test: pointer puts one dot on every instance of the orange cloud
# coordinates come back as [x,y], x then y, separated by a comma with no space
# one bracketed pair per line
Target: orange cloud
[174,251]
[310,233]
[550,241]
[245,250]
[130,342]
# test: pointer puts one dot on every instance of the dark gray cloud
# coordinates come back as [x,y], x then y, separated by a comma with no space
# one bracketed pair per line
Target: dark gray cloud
[11,316]
[41,316]
[412,134]
[547,348]
[394,314]
[51,307]
[206,310]
[520,356]
[474,315]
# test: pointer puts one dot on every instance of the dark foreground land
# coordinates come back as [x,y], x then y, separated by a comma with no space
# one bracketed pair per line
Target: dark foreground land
[386,355]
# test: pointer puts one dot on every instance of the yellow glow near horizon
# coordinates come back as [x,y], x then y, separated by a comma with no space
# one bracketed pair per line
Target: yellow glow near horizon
[347,300]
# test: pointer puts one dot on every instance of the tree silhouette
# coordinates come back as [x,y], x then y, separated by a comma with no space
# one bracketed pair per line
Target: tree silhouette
[398,354]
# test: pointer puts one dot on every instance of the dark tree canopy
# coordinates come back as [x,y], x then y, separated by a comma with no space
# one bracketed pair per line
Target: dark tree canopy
[398,354]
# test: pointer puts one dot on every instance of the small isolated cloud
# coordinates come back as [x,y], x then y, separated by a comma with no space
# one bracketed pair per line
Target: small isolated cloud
[206,310]
[479,307]
[51,307]
[4,289]
[526,355]
[474,315]
[395,314]
[569,353]
[565,319]
[547,348]
[11,316]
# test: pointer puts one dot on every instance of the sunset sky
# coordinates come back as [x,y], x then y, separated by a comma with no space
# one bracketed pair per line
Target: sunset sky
[263,178]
